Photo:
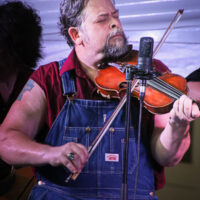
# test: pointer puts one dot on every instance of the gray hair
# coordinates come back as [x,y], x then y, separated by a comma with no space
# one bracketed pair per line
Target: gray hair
[71,15]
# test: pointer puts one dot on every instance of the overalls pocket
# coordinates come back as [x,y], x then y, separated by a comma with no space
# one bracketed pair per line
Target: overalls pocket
[108,156]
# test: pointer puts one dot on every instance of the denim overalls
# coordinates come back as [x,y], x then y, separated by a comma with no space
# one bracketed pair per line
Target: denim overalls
[101,178]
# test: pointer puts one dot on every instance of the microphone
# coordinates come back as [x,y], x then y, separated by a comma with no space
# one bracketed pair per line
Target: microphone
[144,68]
[144,63]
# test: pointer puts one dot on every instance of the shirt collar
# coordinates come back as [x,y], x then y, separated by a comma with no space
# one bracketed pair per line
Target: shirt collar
[72,63]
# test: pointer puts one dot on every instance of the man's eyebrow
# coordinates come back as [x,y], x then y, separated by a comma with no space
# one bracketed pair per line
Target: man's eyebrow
[102,15]
[115,11]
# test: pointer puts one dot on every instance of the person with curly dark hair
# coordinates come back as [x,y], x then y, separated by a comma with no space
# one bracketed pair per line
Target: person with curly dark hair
[63,97]
[193,84]
[20,49]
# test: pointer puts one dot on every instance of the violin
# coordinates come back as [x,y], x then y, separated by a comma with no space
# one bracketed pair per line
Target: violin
[160,92]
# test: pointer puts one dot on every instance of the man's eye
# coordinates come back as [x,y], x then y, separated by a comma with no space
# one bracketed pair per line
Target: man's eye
[116,16]
[101,20]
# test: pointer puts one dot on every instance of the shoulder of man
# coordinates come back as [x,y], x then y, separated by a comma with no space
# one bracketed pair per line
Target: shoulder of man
[47,76]
[160,66]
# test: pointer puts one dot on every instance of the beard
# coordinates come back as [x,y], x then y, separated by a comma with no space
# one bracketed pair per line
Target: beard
[117,48]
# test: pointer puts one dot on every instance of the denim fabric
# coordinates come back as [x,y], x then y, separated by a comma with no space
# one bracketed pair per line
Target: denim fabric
[50,191]
[80,121]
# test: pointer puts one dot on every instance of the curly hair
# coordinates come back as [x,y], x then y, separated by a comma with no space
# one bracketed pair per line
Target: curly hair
[20,35]
[71,15]
[194,76]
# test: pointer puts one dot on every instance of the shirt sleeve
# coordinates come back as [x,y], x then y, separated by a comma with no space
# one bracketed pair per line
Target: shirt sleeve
[48,78]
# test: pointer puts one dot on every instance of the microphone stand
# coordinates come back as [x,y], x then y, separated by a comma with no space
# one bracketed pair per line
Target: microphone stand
[143,77]
[143,71]
[143,83]
[124,187]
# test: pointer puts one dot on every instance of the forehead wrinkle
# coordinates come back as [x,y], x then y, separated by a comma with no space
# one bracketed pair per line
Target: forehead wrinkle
[106,13]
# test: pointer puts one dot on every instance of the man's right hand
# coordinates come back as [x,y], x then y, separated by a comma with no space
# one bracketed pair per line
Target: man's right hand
[59,156]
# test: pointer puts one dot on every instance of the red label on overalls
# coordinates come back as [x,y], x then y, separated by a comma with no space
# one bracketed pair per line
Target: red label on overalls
[111,157]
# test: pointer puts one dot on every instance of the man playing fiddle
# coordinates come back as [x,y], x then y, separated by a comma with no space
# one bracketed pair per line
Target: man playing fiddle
[93,29]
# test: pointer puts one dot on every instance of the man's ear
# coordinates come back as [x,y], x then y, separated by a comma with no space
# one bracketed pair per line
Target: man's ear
[75,35]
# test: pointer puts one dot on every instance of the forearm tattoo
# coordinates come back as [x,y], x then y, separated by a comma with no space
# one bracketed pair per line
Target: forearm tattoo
[28,87]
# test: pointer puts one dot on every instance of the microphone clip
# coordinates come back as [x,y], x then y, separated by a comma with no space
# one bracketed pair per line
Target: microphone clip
[132,72]
[144,75]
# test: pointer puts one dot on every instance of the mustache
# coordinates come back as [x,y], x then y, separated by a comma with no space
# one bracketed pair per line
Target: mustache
[115,32]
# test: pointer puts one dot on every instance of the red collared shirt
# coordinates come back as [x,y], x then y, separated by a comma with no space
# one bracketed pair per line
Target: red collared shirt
[86,89]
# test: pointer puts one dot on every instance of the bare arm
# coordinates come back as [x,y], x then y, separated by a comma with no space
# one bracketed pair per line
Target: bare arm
[20,127]
[171,138]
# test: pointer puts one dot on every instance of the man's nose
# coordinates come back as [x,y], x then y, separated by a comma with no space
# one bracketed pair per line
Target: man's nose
[114,23]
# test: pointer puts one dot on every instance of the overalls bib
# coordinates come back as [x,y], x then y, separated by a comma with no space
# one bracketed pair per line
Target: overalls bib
[101,178]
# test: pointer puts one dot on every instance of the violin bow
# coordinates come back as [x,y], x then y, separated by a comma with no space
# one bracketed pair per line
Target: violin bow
[106,126]
[171,26]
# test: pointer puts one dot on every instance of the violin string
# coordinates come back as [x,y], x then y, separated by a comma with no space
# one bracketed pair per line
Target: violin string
[168,85]
[173,89]
[164,87]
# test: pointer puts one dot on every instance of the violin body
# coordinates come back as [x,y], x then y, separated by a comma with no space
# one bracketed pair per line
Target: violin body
[111,80]
[111,83]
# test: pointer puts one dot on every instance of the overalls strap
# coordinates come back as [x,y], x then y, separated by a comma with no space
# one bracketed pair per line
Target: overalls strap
[68,82]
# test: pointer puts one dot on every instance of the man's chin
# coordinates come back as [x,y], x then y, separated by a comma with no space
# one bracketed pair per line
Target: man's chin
[117,42]
[115,54]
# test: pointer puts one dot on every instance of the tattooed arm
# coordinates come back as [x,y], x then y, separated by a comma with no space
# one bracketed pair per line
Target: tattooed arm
[20,127]
[22,123]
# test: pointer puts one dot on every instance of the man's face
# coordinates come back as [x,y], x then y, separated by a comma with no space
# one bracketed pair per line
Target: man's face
[102,30]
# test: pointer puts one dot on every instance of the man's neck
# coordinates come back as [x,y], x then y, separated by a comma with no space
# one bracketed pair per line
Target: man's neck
[89,63]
